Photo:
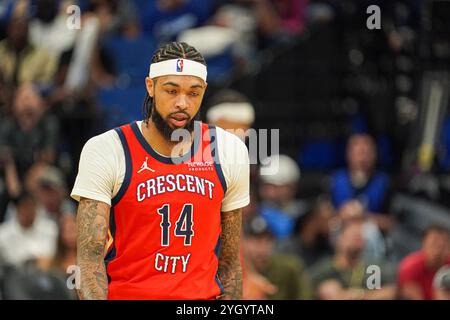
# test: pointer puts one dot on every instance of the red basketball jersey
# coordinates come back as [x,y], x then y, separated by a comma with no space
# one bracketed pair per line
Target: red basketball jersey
[164,235]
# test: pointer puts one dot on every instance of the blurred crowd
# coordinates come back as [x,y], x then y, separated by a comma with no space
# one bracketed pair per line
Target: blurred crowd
[358,211]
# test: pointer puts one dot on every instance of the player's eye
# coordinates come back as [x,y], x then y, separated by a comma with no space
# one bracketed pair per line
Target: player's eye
[194,94]
[171,91]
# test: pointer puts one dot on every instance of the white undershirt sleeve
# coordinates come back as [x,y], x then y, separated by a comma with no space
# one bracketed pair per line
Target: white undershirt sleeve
[234,160]
[99,168]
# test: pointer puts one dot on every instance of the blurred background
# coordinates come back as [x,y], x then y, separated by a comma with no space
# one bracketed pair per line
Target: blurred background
[364,176]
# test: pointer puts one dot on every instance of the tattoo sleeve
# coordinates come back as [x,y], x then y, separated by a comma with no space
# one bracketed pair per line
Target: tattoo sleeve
[230,272]
[92,228]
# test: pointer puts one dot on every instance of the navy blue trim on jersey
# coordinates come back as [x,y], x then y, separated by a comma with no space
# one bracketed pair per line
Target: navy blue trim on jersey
[217,248]
[217,253]
[128,168]
[169,160]
[215,155]
[111,253]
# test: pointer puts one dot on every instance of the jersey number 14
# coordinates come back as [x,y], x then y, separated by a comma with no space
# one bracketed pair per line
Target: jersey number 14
[183,227]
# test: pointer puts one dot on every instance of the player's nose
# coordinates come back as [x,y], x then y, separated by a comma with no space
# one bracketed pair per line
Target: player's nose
[181,102]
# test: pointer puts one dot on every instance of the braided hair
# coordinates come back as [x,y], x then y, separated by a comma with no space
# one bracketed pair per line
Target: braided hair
[173,50]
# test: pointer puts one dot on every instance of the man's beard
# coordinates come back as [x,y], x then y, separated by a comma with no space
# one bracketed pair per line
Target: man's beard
[165,129]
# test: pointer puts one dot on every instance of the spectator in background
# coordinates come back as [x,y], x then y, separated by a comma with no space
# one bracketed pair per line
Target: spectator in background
[30,185]
[111,14]
[66,253]
[32,177]
[278,20]
[3,98]
[76,112]
[21,61]
[48,187]
[66,250]
[28,236]
[237,24]
[48,28]
[311,237]
[255,286]
[441,284]
[279,178]
[374,249]
[285,272]
[344,276]
[417,270]
[165,19]
[280,17]
[27,137]
[360,180]
[231,110]
[52,194]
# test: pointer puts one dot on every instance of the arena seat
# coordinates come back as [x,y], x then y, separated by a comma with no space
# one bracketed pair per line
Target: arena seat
[121,106]
[414,215]
[131,57]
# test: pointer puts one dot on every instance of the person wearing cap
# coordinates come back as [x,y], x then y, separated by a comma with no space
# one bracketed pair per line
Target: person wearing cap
[279,178]
[418,269]
[160,200]
[284,275]
[51,193]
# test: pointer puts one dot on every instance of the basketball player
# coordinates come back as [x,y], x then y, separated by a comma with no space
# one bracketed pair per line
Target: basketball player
[157,218]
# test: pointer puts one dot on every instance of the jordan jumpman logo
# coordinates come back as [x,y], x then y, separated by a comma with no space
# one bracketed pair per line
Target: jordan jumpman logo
[145,166]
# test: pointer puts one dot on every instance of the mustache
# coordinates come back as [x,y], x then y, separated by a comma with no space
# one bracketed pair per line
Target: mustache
[163,126]
[178,113]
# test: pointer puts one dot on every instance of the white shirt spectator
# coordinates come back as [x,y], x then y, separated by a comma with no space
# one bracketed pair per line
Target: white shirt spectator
[56,37]
[17,245]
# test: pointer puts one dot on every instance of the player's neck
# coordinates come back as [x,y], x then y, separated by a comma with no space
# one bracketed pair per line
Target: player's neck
[160,144]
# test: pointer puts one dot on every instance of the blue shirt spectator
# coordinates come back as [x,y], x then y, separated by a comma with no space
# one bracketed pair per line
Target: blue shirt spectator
[279,177]
[373,193]
[166,19]
[6,9]
[280,224]
[360,180]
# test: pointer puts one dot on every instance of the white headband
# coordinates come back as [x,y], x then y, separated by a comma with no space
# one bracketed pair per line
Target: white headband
[241,112]
[178,67]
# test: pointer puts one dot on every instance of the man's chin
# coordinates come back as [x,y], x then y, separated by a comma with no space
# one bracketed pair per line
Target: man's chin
[188,125]
[174,128]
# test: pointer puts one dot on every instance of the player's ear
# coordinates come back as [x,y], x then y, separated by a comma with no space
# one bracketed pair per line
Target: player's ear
[150,86]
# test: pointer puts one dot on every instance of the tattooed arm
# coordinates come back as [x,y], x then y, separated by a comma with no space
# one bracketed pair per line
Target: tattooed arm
[92,228]
[230,272]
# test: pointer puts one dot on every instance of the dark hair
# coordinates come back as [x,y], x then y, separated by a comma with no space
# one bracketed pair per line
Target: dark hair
[227,95]
[23,197]
[436,228]
[61,248]
[173,50]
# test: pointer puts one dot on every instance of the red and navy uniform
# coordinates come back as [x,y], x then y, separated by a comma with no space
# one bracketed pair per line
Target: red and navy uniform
[164,235]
